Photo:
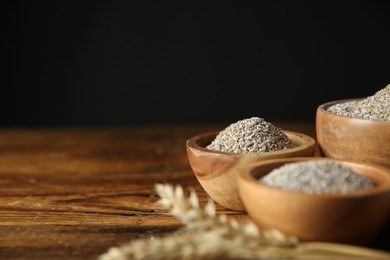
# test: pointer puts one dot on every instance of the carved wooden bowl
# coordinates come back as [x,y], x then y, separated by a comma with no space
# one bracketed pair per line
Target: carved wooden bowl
[217,171]
[356,217]
[350,138]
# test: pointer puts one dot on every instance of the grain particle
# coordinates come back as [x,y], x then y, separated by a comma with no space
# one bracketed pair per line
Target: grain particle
[251,135]
[316,176]
[375,107]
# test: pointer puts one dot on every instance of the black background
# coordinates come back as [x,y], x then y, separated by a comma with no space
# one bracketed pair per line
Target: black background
[119,63]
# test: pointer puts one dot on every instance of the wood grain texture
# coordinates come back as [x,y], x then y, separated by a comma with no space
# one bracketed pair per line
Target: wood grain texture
[348,138]
[353,218]
[73,193]
[217,171]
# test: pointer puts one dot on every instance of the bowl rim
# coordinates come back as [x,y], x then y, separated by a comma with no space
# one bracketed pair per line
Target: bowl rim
[309,142]
[323,108]
[247,176]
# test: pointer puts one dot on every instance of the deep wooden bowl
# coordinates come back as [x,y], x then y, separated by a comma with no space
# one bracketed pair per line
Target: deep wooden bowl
[354,218]
[217,171]
[349,138]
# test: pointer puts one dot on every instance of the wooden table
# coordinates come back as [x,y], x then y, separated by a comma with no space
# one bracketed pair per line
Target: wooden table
[74,193]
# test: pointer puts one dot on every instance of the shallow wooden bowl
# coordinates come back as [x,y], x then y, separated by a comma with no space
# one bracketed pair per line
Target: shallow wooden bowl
[349,138]
[354,218]
[217,171]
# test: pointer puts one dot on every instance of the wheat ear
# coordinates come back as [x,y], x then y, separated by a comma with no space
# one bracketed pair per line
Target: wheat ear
[207,235]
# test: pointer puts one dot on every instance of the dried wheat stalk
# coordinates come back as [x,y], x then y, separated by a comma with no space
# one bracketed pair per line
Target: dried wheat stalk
[207,235]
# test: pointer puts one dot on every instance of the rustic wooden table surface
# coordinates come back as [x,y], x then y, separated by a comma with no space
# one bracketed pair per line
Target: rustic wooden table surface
[74,193]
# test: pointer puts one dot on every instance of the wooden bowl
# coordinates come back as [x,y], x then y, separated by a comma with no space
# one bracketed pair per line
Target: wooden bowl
[355,218]
[217,171]
[349,138]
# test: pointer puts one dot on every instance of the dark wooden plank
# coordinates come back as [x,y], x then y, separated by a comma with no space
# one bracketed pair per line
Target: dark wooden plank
[73,193]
